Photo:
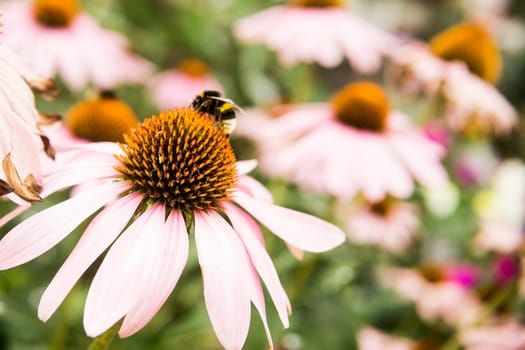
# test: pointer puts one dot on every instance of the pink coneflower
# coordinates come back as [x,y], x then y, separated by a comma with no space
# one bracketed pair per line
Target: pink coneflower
[320,31]
[22,142]
[436,297]
[388,224]
[369,338]
[355,144]
[56,37]
[175,175]
[461,65]
[507,334]
[500,209]
[99,118]
[178,87]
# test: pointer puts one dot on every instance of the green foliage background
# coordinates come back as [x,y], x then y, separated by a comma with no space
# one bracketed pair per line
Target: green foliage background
[332,294]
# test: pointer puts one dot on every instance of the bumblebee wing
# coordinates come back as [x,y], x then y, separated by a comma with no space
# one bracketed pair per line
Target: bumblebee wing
[227,100]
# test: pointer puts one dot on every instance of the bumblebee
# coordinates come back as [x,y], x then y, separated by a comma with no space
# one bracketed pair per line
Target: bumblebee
[221,109]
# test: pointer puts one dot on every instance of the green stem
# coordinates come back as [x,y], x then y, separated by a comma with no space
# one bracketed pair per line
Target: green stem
[58,342]
[103,341]
[303,85]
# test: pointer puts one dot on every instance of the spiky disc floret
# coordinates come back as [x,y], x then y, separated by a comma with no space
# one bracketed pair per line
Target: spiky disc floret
[56,13]
[181,158]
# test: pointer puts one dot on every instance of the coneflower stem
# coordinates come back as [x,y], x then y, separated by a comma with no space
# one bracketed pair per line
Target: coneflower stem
[103,341]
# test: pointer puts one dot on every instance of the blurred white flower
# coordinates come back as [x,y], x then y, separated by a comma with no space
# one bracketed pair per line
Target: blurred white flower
[501,209]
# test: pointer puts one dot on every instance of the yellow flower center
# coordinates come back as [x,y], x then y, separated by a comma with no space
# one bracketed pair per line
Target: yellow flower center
[362,105]
[318,3]
[180,158]
[105,118]
[56,13]
[470,43]
[194,67]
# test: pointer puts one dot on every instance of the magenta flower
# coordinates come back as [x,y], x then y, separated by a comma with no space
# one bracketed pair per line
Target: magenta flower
[175,175]
[56,37]
[323,32]
[355,144]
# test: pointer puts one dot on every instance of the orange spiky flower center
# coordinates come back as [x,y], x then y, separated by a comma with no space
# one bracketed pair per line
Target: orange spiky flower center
[362,105]
[56,13]
[180,158]
[194,67]
[318,3]
[470,43]
[105,118]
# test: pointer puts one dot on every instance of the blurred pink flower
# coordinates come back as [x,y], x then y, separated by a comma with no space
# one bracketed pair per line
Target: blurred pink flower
[449,68]
[324,34]
[389,224]
[442,300]
[54,37]
[507,335]
[500,209]
[369,338]
[178,87]
[22,142]
[355,144]
[140,183]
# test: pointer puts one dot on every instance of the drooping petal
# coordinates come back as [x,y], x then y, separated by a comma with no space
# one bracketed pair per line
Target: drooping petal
[114,288]
[162,273]
[100,233]
[224,273]
[260,260]
[42,231]
[303,231]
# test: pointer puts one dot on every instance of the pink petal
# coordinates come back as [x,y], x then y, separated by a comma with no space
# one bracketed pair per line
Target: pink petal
[242,224]
[245,166]
[254,188]
[303,231]
[162,272]
[100,233]
[42,231]
[13,214]
[225,274]
[71,177]
[114,289]
[257,297]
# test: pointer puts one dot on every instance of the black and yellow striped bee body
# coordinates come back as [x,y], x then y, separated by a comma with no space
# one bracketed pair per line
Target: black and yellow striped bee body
[222,110]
